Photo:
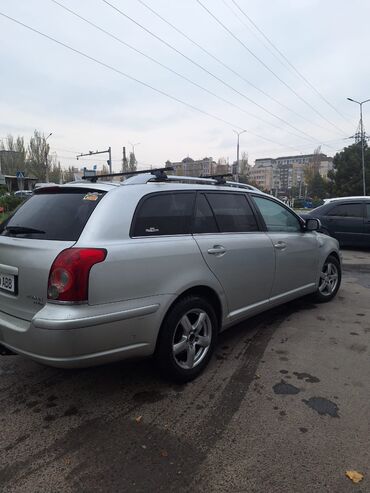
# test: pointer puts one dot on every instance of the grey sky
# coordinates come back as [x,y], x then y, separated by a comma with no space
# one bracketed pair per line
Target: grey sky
[89,107]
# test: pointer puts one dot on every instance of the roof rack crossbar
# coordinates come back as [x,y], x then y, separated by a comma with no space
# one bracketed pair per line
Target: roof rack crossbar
[159,173]
[220,179]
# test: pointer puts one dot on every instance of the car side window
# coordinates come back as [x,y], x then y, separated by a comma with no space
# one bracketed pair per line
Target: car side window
[346,210]
[277,217]
[368,210]
[164,214]
[232,212]
[205,221]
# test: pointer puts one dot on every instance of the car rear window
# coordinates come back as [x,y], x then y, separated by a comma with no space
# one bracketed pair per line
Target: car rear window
[60,214]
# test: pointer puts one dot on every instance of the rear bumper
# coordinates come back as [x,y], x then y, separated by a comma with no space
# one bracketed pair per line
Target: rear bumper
[78,336]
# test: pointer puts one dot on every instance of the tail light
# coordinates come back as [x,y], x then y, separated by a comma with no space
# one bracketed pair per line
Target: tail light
[69,274]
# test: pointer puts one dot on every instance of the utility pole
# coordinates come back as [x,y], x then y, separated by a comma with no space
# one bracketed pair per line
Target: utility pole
[92,153]
[236,176]
[362,142]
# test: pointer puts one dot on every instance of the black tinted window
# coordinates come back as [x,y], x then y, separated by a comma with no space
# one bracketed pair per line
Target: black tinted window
[368,210]
[233,213]
[59,215]
[347,210]
[164,214]
[204,219]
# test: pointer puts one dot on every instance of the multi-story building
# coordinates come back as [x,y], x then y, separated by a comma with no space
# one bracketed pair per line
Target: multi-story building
[289,171]
[191,167]
[262,177]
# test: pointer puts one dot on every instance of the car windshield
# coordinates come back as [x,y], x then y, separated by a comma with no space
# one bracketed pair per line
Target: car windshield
[58,214]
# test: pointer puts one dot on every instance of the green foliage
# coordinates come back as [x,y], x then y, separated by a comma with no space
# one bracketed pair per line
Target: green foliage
[347,172]
[132,162]
[13,157]
[10,202]
[317,186]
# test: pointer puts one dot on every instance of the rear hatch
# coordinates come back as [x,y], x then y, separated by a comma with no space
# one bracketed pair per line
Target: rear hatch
[49,222]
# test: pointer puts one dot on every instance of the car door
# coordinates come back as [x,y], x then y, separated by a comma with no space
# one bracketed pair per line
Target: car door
[296,250]
[346,222]
[236,251]
[367,225]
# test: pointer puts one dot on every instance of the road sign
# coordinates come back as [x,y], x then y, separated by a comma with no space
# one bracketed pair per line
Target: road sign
[19,174]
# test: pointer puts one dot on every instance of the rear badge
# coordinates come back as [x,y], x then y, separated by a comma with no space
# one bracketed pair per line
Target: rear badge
[152,230]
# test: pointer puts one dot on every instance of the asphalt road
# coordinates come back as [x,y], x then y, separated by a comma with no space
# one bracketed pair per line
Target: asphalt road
[283,407]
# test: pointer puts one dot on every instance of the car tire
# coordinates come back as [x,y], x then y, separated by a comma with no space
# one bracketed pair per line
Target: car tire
[330,279]
[187,339]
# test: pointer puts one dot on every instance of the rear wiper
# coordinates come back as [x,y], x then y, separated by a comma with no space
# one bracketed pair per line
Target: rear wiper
[23,230]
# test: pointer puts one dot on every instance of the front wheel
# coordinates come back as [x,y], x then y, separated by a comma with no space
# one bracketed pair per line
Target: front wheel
[330,279]
[187,339]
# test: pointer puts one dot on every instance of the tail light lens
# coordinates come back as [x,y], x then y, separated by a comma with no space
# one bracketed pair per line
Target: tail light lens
[69,274]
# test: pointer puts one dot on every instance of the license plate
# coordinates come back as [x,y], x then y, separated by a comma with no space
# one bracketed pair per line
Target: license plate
[7,283]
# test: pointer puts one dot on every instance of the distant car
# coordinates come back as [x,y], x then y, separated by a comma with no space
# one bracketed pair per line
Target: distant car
[346,218]
[23,193]
[96,272]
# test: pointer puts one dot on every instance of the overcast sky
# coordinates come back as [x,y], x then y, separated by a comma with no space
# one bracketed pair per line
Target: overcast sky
[88,106]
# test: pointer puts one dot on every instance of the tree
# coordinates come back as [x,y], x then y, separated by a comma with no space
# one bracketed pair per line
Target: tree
[38,156]
[55,175]
[317,186]
[244,165]
[68,175]
[132,165]
[347,171]
[13,157]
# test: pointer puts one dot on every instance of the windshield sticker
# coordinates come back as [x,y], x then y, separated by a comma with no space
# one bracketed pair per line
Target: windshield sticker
[91,196]
[152,230]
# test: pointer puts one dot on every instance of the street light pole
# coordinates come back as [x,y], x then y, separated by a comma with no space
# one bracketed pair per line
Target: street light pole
[362,142]
[46,159]
[237,152]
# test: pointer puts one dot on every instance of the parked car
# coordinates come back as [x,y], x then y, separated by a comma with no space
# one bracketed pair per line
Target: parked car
[96,272]
[23,193]
[346,218]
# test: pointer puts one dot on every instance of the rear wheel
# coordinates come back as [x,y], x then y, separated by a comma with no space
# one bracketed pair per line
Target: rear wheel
[330,279]
[187,339]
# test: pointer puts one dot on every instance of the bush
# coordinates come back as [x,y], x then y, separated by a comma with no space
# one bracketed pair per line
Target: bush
[10,202]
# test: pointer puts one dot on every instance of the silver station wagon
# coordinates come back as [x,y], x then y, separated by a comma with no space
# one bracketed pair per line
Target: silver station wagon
[93,272]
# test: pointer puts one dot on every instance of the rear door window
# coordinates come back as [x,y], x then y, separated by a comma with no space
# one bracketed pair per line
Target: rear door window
[233,213]
[205,221]
[347,210]
[53,215]
[164,214]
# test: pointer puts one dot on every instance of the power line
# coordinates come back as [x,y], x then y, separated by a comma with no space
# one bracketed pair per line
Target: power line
[184,77]
[222,63]
[202,68]
[163,93]
[287,60]
[266,66]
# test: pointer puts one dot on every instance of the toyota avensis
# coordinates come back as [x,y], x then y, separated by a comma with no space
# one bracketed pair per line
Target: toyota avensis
[93,272]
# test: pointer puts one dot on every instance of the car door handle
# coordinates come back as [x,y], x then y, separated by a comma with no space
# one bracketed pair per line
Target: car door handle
[217,250]
[280,245]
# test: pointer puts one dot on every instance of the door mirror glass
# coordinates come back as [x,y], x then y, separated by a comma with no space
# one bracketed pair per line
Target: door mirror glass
[313,224]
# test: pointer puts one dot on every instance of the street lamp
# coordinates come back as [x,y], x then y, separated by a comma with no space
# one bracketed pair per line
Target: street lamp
[133,146]
[46,159]
[237,151]
[362,142]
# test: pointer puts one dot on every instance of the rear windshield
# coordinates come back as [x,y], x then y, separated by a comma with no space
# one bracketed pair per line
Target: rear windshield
[58,215]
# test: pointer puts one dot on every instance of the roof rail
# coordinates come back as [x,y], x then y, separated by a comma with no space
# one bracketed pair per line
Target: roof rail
[158,173]
[144,178]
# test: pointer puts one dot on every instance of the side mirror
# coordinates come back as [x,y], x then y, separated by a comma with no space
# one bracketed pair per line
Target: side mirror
[313,224]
